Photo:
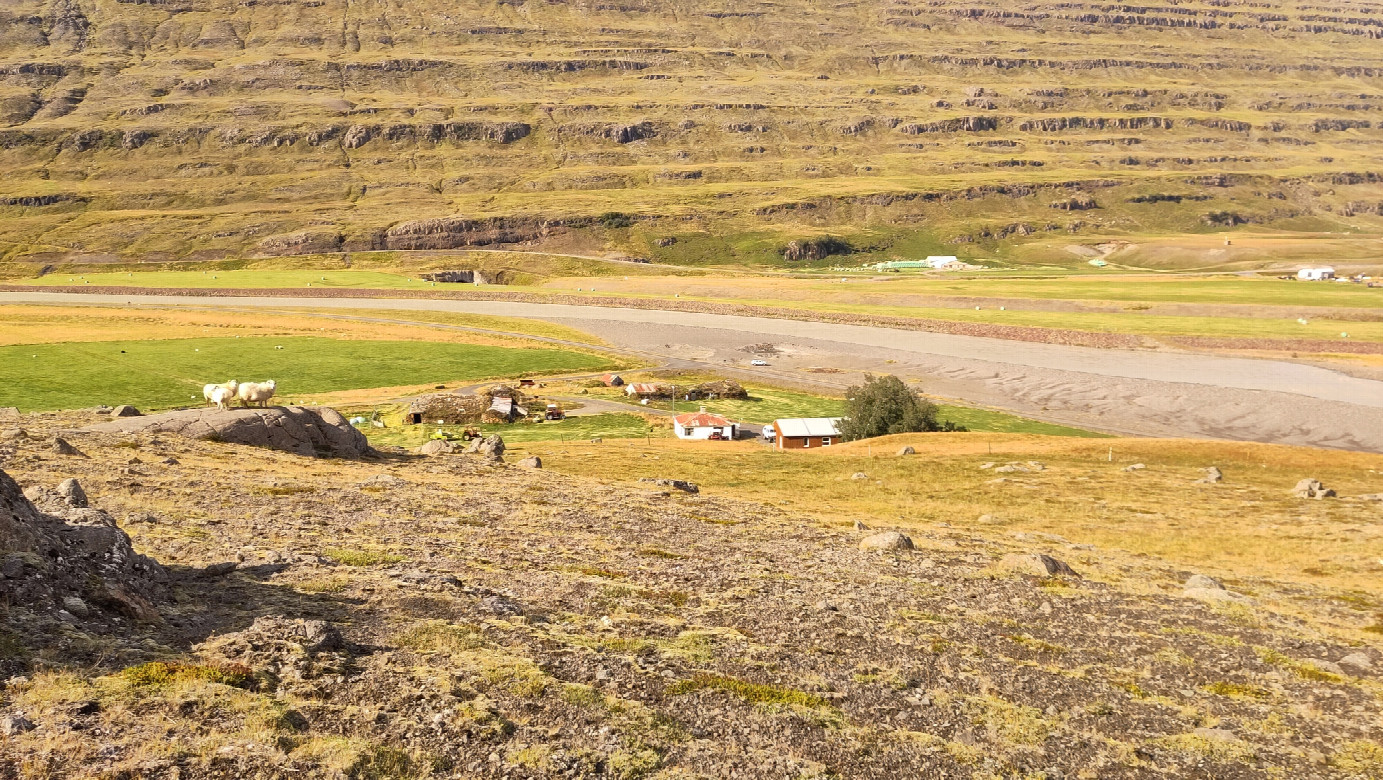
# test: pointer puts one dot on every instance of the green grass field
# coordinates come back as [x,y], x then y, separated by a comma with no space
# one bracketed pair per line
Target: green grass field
[986,421]
[612,425]
[250,279]
[766,405]
[170,373]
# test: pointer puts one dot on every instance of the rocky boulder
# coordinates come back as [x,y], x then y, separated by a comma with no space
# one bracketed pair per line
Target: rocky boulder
[437,447]
[124,410]
[491,447]
[1036,565]
[676,484]
[72,493]
[1213,475]
[888,540]
[310,432]
[1203,588]
[534,462]
[1312,488]
[63,447]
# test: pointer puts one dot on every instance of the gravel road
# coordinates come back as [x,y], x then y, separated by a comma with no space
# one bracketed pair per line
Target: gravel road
[1158,393]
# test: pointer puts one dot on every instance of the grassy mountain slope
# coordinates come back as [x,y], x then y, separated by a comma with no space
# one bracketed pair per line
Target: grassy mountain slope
[206,129]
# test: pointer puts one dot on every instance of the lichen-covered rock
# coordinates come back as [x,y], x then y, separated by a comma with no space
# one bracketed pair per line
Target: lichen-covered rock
[534,462]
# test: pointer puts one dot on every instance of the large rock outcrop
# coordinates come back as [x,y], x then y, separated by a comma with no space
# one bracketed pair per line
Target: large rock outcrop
[312,432]
[60,559]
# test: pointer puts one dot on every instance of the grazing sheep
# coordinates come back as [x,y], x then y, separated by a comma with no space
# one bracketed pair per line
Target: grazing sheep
[255,392]
[221,396]
[210,390]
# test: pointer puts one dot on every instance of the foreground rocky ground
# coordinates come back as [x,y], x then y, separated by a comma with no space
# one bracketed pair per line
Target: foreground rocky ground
[456,617]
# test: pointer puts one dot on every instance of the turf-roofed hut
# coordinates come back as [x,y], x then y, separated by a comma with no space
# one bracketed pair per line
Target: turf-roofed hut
[445,409]
[718,389]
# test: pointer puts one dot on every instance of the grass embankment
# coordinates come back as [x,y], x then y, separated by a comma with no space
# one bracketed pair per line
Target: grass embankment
[169,373]
[1246,527]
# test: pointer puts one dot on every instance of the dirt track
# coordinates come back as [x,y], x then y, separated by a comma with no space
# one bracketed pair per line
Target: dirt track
[1132,391]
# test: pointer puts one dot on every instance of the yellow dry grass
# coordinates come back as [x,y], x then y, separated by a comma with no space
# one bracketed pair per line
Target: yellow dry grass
[1247,528]
[50,324]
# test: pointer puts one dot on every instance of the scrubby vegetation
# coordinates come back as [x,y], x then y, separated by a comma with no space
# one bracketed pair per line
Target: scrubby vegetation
[884,406]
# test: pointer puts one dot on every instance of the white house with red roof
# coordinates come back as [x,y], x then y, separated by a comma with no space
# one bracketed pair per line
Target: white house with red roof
[703,425]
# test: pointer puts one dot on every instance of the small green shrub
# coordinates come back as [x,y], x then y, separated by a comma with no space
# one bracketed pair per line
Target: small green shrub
[614,219]
[360,557]
[755,693]
[165,672]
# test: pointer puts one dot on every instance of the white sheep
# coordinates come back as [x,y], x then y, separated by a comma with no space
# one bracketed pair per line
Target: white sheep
[221,396]
[255,392]
[208,391]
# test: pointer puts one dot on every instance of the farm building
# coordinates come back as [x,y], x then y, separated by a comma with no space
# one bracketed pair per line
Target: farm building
[702,425]
[1316,274]
[445,409]
[503,409]
[496,404]
[801,433]
[613,380]
[901,265]
[647,390]
[943,261]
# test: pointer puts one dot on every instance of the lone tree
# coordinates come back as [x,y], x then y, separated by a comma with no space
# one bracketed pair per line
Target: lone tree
[883,406]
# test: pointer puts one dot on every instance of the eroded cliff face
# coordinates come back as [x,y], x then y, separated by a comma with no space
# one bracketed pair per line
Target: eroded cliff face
[318,127]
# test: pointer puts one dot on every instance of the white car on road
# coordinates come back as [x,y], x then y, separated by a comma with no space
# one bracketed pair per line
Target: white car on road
[757,362]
